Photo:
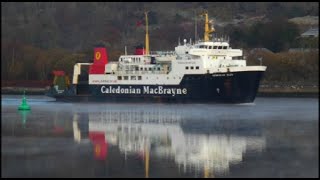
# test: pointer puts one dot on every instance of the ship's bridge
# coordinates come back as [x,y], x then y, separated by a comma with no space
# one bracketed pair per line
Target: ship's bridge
[212,45]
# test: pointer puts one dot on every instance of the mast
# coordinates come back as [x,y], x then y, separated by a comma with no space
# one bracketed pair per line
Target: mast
[147,34]
[207,31]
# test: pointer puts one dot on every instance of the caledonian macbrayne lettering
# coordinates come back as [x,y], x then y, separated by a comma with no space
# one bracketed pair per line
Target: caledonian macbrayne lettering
[143,90]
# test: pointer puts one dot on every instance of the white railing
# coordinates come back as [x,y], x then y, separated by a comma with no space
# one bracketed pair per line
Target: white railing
[163,53]
[126,73]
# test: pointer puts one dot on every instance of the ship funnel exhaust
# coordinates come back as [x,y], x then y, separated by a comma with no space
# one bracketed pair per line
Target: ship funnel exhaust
[140,50]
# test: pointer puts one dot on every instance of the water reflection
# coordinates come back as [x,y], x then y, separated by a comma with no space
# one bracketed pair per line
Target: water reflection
[147,140]
[168,134]
[24,115]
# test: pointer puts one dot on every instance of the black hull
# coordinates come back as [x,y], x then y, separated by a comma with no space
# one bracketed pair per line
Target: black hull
[233,87]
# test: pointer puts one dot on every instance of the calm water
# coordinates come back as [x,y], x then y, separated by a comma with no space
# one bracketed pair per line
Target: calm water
[272,137]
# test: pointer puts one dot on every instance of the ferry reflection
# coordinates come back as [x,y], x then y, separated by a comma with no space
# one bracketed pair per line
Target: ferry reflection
[204,149]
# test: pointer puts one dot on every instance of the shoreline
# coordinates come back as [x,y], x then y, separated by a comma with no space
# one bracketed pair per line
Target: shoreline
[288,91]
[263,92]
[19,91]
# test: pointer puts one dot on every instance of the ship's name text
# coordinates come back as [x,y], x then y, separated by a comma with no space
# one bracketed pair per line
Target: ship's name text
[143,90]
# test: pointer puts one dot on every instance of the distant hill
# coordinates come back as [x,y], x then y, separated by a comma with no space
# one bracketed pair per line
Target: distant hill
[76,26]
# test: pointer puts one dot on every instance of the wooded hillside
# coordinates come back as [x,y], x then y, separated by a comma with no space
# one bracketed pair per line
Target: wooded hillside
[37,37]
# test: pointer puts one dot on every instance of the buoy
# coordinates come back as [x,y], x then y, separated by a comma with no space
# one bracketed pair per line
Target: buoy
[24,106]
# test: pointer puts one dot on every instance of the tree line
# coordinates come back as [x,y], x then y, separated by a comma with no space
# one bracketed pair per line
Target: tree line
[38,37]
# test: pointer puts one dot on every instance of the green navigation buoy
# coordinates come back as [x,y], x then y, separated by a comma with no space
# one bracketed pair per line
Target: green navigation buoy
[24,106]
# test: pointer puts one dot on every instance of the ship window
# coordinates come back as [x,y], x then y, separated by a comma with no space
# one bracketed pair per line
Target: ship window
[146,69]
[201,46]
[191,67]
[205,47]
[149,68]
[219,47]
[158,68]
[225,47]
[215,47]
[197,67]
[119,77]
[187,67]
[210,47]
[125,77]
[133,77]
[141,69]
[139,77]
[137,68]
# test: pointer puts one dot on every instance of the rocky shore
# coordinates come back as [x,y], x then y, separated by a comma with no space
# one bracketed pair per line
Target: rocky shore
[19,90]
[288,90]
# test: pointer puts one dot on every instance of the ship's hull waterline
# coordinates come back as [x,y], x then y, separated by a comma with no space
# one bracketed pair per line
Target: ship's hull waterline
[234,87]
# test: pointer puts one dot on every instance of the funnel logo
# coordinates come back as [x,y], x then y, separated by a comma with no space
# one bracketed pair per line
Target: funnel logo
[98,55]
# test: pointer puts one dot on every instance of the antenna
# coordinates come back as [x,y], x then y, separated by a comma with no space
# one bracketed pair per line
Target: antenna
[195,26]
[179,41]
[125,50]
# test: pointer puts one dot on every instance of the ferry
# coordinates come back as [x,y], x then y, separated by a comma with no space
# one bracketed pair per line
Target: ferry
[206,71]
